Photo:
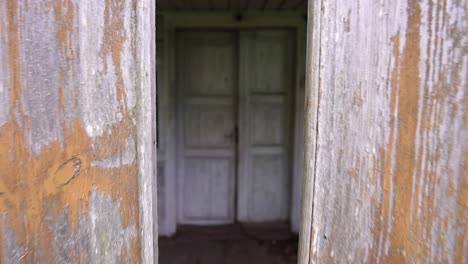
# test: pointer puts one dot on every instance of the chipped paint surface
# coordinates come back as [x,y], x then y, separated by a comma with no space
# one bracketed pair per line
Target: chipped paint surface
[146,135]
[100,236]
[390,169]
[4,81]
[125,157]
[69,173]
[13,252]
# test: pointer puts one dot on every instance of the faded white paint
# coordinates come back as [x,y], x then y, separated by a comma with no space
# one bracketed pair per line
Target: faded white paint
[107,235]
[98,91]
[440,49]
[101,109]
[124,157]
[206,119]
[343,125]
[363,105]
[39,62]
[13,252]
[100,235]
[4,80]
[266,124]
[127,58]
[90,82]
[146,134]
[78,70]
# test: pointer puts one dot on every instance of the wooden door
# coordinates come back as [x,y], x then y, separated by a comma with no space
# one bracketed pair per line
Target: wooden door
[207,78]
[266,82]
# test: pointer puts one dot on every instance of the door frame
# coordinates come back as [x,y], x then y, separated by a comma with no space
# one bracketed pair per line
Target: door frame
[145,67]
[173,21]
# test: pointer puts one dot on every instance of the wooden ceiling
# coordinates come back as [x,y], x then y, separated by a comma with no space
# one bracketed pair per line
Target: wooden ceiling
[231,5]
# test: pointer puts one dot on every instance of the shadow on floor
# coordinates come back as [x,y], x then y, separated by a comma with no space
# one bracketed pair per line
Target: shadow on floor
[230,244]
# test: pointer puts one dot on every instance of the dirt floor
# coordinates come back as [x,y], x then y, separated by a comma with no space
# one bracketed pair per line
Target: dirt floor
[232,244]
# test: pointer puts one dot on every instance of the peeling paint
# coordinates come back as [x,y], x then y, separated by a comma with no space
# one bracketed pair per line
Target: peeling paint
[98,88]
[13,252]
[100,237]
[391,121]
[108,235]
[102,107]
[125,157]
[39,75]
[373,107]
[127,61]
[4,80]
[68,104]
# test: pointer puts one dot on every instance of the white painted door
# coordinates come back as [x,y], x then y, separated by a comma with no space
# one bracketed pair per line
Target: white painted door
[215,82]
[266,85]
[207,86]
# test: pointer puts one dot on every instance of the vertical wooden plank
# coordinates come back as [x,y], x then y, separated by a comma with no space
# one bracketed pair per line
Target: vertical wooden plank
[391,157]
[75,163]
[146,128]
[311,113]
[299,128]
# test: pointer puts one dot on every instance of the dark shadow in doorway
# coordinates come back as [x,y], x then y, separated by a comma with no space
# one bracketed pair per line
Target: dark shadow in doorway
[230,244]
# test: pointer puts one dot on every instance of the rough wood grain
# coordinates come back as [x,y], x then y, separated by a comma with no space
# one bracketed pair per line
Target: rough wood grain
[145,52]
[390,169]
[71,154]
[310,127]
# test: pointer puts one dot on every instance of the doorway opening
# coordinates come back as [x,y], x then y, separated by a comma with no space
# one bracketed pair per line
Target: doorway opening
[230,108]
[233,114]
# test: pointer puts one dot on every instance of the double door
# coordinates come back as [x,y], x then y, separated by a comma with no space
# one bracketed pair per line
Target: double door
[233,110]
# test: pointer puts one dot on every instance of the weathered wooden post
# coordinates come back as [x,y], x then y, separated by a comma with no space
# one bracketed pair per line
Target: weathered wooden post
[77,131]
[386,155]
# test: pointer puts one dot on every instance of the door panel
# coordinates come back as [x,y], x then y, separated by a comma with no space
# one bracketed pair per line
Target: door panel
[268,56]
[208,53]
[267,192]
[266,79]
[206,183]
[206,87]
[207,124]
[267,121]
